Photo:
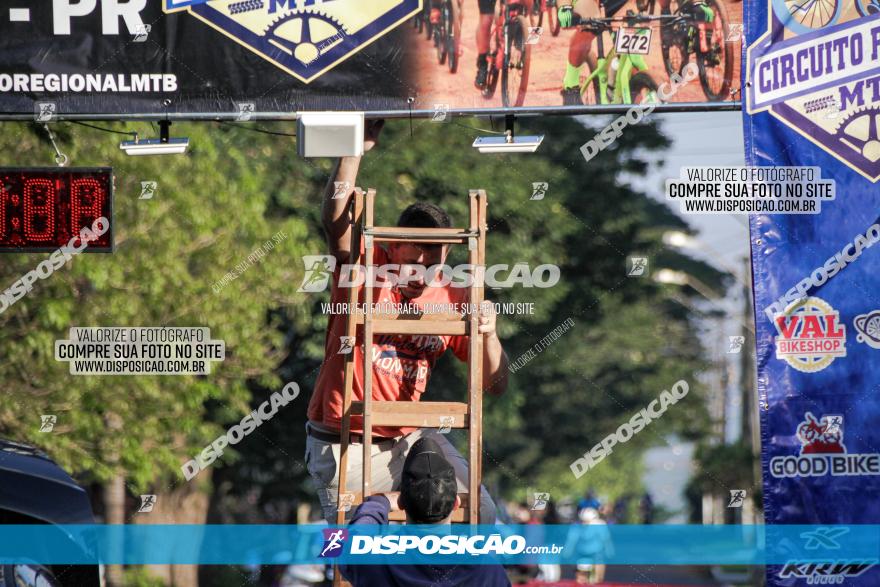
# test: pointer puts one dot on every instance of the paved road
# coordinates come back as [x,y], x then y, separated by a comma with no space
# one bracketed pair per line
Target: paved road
[632,576]
[662,574]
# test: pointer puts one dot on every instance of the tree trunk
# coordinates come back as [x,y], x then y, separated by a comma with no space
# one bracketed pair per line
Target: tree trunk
[114,493]
[114,511]
[185,504]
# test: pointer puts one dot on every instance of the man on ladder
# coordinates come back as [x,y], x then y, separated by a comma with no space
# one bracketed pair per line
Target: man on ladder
[401,363]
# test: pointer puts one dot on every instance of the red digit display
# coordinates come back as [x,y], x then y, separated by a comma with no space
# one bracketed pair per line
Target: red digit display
[39,209]
[43,209]
[4,202]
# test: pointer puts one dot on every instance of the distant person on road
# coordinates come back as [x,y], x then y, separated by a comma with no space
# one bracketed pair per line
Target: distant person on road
[550,572]
[592,547]
[619,512]
[589,500]
[428,495]
[646,508]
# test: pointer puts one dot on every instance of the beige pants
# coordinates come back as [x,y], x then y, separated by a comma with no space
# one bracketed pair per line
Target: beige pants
[322,460]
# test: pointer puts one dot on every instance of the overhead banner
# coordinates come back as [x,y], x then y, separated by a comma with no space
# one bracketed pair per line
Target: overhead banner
[245,58]
[813,99]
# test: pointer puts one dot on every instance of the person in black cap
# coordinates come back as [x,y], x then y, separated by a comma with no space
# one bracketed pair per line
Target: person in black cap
[428,495]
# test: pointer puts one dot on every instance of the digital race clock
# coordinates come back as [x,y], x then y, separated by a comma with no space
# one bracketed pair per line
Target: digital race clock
[41,209]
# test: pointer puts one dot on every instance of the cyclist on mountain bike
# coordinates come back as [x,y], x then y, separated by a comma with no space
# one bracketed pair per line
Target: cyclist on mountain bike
[570,12]
[484,30]
[436,9]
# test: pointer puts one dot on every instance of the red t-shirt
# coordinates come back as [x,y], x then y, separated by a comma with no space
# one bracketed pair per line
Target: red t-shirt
[401,363]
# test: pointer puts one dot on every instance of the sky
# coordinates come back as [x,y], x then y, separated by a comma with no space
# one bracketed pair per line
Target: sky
[704,139]
[699,139]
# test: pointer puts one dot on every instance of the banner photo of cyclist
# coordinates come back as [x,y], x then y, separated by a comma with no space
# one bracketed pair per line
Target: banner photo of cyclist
[811,100]
[245,58]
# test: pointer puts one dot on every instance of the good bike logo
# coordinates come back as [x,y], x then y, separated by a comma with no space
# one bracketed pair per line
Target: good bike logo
[320,269]
[305,38]
[56,261]
[823,452]
[815,69]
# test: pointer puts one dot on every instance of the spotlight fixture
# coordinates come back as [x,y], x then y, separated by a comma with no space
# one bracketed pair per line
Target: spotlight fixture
[164,145]
[509,143]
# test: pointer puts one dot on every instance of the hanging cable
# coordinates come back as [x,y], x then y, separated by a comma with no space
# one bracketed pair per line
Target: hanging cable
[60,158]
[129,133]
[260,130]
[494,132]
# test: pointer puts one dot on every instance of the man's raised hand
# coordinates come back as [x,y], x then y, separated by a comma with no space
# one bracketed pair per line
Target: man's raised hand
[372,128]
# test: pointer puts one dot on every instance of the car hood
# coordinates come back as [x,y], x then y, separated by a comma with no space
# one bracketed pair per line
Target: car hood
[33,485]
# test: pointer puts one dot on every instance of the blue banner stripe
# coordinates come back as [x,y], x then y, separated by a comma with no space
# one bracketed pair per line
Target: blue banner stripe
[572,544]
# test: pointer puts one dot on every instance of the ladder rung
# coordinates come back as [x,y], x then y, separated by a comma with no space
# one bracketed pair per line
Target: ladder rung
[432,316]
[449,324]
[416,414]
[392,234]
[438,327]
[459,516]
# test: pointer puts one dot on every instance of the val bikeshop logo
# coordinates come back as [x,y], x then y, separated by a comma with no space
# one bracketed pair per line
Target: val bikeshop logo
[823,452]
[305,38]
[817,69]
[810,335]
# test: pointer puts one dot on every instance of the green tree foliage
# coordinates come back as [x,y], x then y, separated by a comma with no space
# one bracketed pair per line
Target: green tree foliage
[720,468]
[236,189]
[213,208]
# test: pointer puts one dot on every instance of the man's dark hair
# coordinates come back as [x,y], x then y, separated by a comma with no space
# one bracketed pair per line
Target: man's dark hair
[424,215]
[428,486]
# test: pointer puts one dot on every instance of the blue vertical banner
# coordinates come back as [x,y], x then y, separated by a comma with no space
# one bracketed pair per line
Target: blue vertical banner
[812,98]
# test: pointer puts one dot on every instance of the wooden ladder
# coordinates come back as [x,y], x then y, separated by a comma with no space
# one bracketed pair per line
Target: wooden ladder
[467,415]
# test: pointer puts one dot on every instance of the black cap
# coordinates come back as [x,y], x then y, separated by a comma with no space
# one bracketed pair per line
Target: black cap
[428,487]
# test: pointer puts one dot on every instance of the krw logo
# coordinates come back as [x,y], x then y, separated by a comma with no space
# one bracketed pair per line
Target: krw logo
[825,572]
[305,38]
[334,541]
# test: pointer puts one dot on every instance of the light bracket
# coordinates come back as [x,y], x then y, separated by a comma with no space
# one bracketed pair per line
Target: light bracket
[509,143]
[164,145]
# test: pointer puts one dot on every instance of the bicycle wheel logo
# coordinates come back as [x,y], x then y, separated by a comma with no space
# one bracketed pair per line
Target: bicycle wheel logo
[868,328]
[815,70]
[303,38]
[806,16]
